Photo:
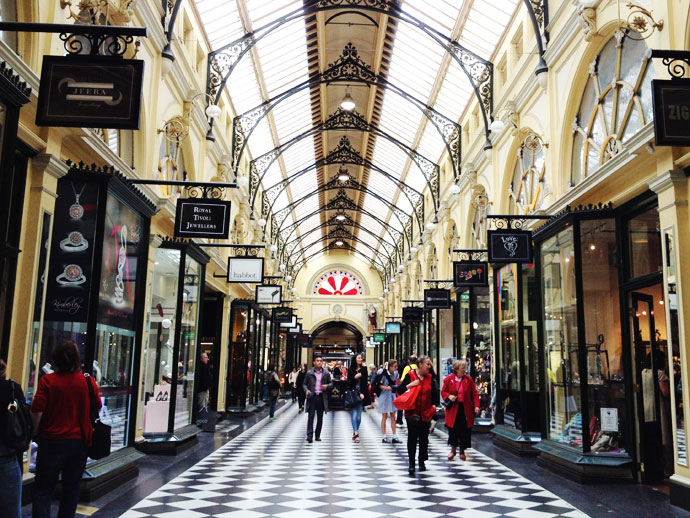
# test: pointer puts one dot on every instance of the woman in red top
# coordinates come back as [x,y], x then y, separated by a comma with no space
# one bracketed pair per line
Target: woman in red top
[461,390]
[61,413]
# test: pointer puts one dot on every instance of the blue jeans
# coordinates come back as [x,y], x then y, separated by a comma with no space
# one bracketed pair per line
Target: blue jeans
[274,402]
[11,493]
[356,417]
[55,457]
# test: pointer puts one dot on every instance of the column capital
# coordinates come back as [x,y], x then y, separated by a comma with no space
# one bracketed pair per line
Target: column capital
[670,179]
[50,164]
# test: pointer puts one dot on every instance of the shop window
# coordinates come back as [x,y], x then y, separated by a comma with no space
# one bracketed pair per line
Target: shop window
[527,187]
[615,105]
[508,329]
[644,240]
[562,382]
[239,363]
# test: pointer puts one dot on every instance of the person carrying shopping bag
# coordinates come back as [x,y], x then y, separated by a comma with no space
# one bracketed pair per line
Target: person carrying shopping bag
[461,400]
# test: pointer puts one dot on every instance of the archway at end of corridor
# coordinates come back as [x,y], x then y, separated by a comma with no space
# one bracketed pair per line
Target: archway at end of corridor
[336,341]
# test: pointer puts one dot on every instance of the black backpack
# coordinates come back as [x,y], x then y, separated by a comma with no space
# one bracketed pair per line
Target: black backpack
[19,427]
[378,379]
[273,383]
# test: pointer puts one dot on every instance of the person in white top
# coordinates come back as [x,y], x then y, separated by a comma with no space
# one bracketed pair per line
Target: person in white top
[292,380]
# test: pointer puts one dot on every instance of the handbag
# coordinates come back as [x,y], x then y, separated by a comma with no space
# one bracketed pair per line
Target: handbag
[100,441]
[352,398]
[407,400]
[19,426]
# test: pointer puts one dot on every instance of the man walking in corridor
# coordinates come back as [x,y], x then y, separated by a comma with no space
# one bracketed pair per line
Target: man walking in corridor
[317,383]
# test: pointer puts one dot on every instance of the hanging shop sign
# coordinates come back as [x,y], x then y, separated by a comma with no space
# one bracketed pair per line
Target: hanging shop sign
[468,274]
[90,92]
[671,100]
[202,218]
[290,323]
[379,337]
[412,315]
[392,328]
[246,269]
[269,294]
[436,298]
[509,246]
[281,315]
[304,340]
[297,330]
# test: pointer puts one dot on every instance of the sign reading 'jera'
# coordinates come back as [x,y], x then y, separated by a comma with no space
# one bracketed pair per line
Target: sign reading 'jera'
[202,218]
[509,246]
[90,92]
[467,274]
[671,101]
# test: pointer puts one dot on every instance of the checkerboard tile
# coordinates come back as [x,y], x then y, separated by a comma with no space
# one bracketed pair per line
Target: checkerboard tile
[271,471]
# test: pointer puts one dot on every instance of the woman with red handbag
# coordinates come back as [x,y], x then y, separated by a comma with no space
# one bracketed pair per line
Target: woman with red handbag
[419,406]
[461,399]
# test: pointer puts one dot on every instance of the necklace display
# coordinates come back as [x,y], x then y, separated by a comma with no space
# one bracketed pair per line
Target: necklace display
[76,211]
[121,258]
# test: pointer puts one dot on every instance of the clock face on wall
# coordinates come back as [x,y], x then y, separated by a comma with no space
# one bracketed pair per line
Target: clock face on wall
[337,282]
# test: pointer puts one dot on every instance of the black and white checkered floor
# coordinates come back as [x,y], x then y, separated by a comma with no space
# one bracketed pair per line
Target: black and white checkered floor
[271,470]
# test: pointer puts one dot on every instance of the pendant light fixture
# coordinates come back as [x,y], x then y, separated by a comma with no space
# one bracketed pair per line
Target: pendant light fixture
[347,103]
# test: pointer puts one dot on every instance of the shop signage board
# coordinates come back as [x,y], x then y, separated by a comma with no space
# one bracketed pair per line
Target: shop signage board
[412,315]
[379,337]
[509,246]
[202,218]
[282,315]
[297,330]
[291,323]
[392,328]
[304,340]
[671,101]
[90,92]
[468,274]
[436,298]
[269,294]
[246,269]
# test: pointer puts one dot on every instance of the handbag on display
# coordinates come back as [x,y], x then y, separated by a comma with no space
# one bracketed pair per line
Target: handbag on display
[18,425]
[100,442]
[352,398]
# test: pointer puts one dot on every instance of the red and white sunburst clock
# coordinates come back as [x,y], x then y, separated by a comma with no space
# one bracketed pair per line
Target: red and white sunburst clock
[337,282]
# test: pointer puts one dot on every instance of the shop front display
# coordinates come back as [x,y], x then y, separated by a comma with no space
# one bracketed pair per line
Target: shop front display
[168,399]
[516,312]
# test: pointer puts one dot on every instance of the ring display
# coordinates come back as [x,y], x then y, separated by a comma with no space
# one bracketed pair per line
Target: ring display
[74,242]
[72,276]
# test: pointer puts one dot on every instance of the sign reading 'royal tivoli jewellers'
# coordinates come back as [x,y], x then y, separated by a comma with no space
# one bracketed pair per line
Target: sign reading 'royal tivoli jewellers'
[281,315]
[671,100]
[468,274]
[246,269]
[509,246]
[90,92]
[435,298]
[202,218]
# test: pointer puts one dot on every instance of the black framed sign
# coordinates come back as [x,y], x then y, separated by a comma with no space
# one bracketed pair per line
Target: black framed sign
[392,328]
[90,92]
[304,340]
[509,246]
[246,269]
[290,323]
[468,274]
[297,330]
[412,314]
[269,294]
[202,218]
[671,101]
[281,315]
[436,298]
[379,337]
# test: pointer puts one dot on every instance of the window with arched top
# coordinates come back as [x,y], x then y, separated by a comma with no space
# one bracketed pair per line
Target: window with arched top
[527,186]
[615,105]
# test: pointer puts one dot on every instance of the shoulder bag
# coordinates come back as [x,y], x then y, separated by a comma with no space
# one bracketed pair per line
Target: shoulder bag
[19,427]
[100,441]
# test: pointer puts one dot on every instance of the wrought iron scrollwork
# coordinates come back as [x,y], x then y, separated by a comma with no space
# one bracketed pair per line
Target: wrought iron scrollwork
[205,192]
[112,44]
[246,251]
[506,223]
[471,254]
[677,62]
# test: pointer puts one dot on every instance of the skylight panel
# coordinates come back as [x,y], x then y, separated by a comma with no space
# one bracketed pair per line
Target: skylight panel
[265,11]
[439,14]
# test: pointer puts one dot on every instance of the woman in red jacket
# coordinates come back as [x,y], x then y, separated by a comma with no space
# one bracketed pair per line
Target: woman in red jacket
[459,388]
[61,414]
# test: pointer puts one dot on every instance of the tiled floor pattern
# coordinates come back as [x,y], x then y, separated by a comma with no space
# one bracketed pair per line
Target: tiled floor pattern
[271,471]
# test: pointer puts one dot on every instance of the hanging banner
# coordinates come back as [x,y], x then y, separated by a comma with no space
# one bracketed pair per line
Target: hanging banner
[282,315]
[509,246]
[468,274]
[90,92]
[269,294]
[671,101]
[202,218]
[412,315]
[246,269]
[392,328]
[379,337]
[436,298]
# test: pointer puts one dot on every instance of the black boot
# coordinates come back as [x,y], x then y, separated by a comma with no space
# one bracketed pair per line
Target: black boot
[411,469]
[422,467]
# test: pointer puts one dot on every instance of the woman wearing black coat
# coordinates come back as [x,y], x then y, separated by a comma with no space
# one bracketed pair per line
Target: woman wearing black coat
[357,379]
[300,384]
[10,467]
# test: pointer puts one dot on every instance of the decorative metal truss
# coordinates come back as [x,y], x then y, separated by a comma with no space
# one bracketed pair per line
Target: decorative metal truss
[379,267]
[538,11]
[343,154]
[349,68]
[343,120]
[341,234]
[479,71]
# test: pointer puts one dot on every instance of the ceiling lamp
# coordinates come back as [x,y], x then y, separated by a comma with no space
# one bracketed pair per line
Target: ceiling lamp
[455,189]
[430,226]
[282,267]
[401,268]
[243,181]
[339,243]
[343,176]
[274,248]
[262,222]
[347,103]
[497,126]
[288,278]
[413,249]
[340,217]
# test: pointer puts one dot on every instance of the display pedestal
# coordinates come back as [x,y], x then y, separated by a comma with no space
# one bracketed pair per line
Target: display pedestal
[169,443]
[516,441]
[680,491]
[482,425]
[584,467]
